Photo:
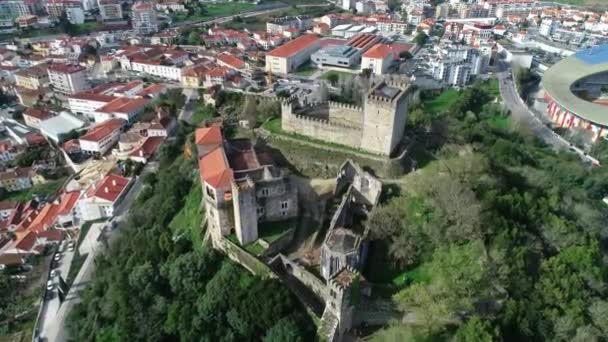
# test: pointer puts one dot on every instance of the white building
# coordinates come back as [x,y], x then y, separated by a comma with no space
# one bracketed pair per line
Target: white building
[377,59]
[99,139]
[63,123]
[365,7]
[87,103]
[101,199]
[289,56]
[144,18]
[548,26]
[67,78]
[75,15]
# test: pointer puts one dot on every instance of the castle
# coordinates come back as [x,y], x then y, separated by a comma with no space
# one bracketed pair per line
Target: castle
[241,187]
[377,127]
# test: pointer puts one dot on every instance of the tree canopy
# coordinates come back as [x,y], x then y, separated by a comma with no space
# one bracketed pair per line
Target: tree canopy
[499,236]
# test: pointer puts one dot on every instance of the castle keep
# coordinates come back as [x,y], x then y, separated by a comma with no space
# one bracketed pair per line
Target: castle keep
[377,127]
[241,187]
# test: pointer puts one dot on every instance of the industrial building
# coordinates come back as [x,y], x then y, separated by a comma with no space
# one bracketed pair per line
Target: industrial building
[347,55]
[289,56]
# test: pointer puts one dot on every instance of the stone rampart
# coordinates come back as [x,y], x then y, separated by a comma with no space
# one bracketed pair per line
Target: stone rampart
[321,129]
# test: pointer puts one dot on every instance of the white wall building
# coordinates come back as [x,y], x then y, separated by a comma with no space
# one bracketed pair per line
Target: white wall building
[101,199]
[99,139]
[67,79]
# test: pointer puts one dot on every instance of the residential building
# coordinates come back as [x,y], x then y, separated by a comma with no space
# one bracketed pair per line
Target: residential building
[442,11]
[289,56]
[365,7]
[282,24]
[111,11]
[121,108]
[34,78]
[26,21]
[378,59]
[143,18]
[67,79]
[87,103]
[75,15]
[17,179]
[102,198]
[99,139]
[15,8]
[33,116]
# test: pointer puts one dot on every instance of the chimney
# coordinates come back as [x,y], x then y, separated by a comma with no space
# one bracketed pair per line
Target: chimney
[113,182]
[141,153]
[106,189]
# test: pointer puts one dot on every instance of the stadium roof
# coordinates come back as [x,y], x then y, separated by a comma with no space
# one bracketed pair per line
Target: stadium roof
[560,77]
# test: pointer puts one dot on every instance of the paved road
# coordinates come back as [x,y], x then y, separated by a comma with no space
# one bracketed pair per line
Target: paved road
[521,113]
[51,305]
[191,96]
[56,330]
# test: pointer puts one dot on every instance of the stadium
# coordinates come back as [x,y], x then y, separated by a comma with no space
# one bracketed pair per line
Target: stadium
[576,90]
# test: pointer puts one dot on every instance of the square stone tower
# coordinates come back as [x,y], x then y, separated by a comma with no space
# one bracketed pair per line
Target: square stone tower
[384,116]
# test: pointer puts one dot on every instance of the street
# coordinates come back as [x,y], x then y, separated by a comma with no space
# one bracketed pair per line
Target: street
[52,304]
[521,113]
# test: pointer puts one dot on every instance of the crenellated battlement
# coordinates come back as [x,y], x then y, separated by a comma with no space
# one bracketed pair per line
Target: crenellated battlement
[343,279]
[308,118]
[344,106]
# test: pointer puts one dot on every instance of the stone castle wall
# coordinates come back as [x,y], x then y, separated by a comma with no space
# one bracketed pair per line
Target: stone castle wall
[345,114]
[322,130]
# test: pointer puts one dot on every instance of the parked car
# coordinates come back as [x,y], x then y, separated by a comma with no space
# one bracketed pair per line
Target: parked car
[71,246]
[53,273]
[50,285]
[57,257]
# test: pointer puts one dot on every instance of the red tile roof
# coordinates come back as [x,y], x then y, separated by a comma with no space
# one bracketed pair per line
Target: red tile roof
[142,6]
[379,51]
[152,90]
[123,105]
[293,47]
[104,129]
[65,68]
[148,148]
[214,169]
[39,114]
[231,61]
[68,201]
[51,235]
[109,188]
[27,243]
[208,135]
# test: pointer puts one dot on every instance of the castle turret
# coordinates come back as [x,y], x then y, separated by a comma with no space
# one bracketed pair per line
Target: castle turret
[384,116]
[245,211]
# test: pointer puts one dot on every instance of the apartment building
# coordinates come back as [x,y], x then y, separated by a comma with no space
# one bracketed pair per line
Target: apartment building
[32,78]
[143,18]
[15,8]
[17,179]
[99,139]
[101,198]
[67,79]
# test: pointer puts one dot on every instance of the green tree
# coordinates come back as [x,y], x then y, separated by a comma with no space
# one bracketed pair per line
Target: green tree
[476,330]
[284,330]
[421,38]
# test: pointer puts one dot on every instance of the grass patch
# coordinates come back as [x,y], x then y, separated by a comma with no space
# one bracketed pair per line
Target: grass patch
[418,275]
[274,126]
[494,87]
[333,73]
[43,190]
[443,102]
[255,248]
[272,231]
[188,219]
[217,10]
[500,122]
[306,70]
